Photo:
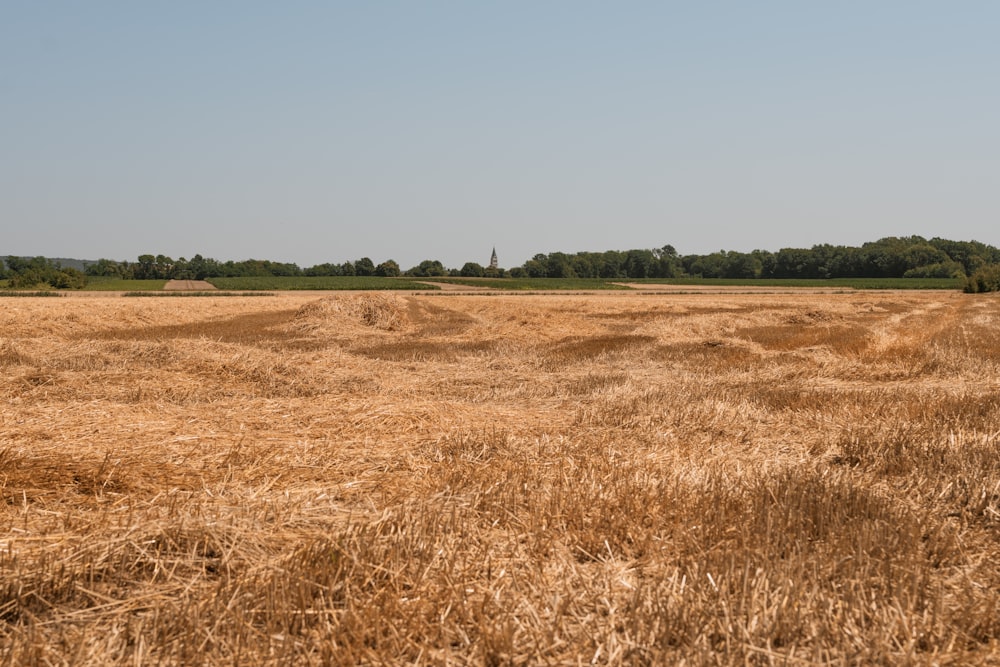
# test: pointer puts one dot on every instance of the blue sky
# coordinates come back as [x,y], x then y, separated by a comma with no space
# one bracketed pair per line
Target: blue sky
[325,131]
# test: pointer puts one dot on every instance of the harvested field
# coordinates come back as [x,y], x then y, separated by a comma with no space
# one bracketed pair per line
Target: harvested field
[614,478]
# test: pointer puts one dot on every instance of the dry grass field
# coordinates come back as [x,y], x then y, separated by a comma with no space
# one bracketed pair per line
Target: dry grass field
[638,479]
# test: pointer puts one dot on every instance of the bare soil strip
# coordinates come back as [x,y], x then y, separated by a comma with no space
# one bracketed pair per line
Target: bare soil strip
[188,286]
[730,289]
[454,287]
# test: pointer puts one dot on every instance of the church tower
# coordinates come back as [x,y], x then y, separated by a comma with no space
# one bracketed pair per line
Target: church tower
[493,259]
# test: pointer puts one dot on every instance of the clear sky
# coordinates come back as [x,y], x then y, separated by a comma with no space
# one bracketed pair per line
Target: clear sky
[310,131]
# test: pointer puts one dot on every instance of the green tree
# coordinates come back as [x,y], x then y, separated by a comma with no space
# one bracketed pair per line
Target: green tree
[364,267]
[38,271]
[165,267]
[741,265]
[68,279]
[986,279]
[611,264]
[537,266]
[794,263]
[107,268]
[668,262]
[199,268]
[559,265]
[326,269]
[472,270]
[427,269]
[705,266]
[972,255]
[947,269]
[146,268]
[640,264]
[584,264]
[387,269]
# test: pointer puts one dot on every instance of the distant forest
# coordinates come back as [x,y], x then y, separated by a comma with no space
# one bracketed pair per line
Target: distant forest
[892,257]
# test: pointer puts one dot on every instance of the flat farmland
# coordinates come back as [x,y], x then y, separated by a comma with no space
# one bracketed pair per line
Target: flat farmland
[608,478]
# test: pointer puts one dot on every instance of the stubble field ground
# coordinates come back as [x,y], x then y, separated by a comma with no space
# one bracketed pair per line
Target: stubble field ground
[613,478]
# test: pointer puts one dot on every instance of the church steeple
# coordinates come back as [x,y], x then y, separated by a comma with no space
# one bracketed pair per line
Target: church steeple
[493,259]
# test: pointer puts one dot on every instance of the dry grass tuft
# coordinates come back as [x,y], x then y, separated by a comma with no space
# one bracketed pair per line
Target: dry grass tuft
[10,355]
[584,348]
[603,479]
[376,311]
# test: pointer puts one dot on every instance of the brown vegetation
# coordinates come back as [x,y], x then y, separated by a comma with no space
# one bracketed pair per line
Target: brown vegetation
[605,479]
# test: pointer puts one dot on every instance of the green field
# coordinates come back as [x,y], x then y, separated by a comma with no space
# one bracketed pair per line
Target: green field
[534,283]
[602,283]
[849,283]
[282,283]
[318,283]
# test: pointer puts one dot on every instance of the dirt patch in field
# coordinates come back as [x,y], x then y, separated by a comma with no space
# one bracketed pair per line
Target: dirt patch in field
[728,289]
[456,287]
[189,286]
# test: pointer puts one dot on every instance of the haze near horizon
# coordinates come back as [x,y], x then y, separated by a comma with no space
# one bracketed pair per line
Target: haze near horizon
[324,132]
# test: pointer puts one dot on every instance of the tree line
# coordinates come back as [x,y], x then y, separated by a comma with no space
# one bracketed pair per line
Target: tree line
[35,271]
[161,267]
[891,257]
[21,272]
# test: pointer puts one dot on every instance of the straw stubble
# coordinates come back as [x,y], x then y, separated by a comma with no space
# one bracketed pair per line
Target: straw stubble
[611,479]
